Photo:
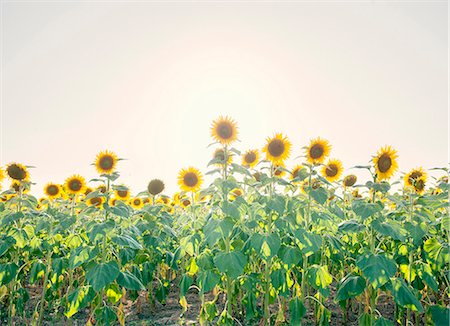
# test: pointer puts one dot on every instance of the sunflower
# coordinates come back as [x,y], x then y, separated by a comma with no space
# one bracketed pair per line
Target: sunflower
[349,180]
[96,201]
[75,185]
[190,179]
[185,202]
[155,187]
[315,184]
[101,188]
[219,157]
[416,179]
[277,148]
[385,163]
[88,190]
[295,171]
[122,193]
[332,170]
[250,158]
[112,201]
[106,162]
[278,170]
[317,150]
[224,130]
[2,174]
[17,172]
[136,202]
[235,193]
[52,190]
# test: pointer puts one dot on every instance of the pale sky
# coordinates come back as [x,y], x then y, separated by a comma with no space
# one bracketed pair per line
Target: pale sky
[146,79]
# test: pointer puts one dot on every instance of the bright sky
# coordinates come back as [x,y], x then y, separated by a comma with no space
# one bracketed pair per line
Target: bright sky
[146,79]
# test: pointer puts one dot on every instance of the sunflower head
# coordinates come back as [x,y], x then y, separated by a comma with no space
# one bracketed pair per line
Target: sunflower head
[349,180]
[219,156]
[88,190]
[122,193]
[250,158]
[277,148]
[295,171]
[155,187]
[278,170]
[185,202]
[17,172]
[75,185]
[52,190]
[385,163]
[136,202]
[102,189]
[96,201]
[2,174]
[332,170]
[224,130]
[235,193]
[190,179]
[416,180]
[317,150]
[106,162]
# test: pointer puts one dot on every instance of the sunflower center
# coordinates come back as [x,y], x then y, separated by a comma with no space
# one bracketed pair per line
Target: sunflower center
[224,130]
[16,172]
[106,162]
[137,201]
[414,176]
[250,157]
[122,193]
[52,190]
[219,155]
[276,147]
[75,185]
[332,170]
[384,163]
[349,180]
[186,202]
[419,185]
[96,201]
[190,179]
[316,151]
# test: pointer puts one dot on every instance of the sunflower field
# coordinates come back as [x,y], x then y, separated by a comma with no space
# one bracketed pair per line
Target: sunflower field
[263,244]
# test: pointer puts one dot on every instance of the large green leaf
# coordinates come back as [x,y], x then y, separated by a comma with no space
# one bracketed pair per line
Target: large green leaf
[127,241]
[389,228]
[320,195]
[297,311]
[207,280]
[350,287]
[266,245]
[7,273]
[308,242]
[231,264]
[78,300]
[440,315]
[365,209]
[377,269]
[319,278]
[129,281]
[290,255]
[351,226]
[404,296]
[100,275]
[438,253]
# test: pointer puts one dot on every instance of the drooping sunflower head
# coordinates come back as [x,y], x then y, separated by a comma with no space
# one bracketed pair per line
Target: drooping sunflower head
[17,172]
[224,130]
[136,202]
[317,150]
[155,187]
[385,163]
[96,201]
[332,170]
[122,192]
[190,179]
[277,148]
[416,180]
[75,185]
[278,170]
[349,180]
[52,190]
[106,162]
[295,171]
[219,156]
[250,158]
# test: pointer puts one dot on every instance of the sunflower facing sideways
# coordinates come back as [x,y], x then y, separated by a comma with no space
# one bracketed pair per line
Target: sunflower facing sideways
[277,148]
[122,193]
[332,170]
[250,158]
[96,201]
[318,150]
[17,172]
[106,162]
[224,130]
[75,185]
[52,190]
[349,180]
[219,156]
[416,180]
[295,171]
[385,163]
[190,179]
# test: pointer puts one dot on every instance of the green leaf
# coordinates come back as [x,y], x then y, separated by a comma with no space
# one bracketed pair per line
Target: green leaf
[297,311]
[7,273]
[226,226]
[12,217]
[127,241]
[185,284]
[320,195]
[365,209]
[207,280]
[351,226]
[440,315]
[230,209]
[231,264]
[266,245]
[129,281]
[404,296]
[389,228]
[319,277]
[6,243]
[289,255]
[381,321]
[350,287]
[308,242]
[377,269]
[79,299]
[438,253]
[101,275]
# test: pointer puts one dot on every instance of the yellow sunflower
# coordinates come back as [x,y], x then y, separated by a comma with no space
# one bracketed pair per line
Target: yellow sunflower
[250,158]
[106,162]
[332,170]
[136,202]
[315,184]
[190,179]
[224,130]
[185,202]
[155,187]
[277,148]
[52,190]
[112,201]
[17,172]
[122,193]
[278,170]
[96,201]
[318,150]
[88,190]
[416,179]
[101,188]
[75,185]
[2,174]
[349,180]
[219,156]
[235,193]
[385,163]
[295,171]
